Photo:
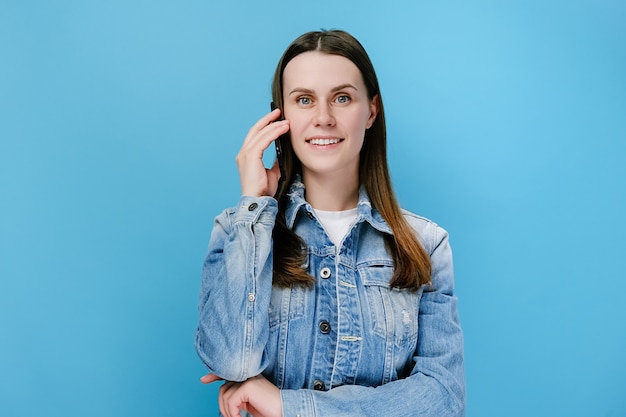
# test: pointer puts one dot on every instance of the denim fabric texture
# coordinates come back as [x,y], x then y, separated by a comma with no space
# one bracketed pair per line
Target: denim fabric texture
[348,346]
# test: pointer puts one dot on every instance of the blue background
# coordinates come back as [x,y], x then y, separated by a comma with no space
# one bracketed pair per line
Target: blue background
[119,124]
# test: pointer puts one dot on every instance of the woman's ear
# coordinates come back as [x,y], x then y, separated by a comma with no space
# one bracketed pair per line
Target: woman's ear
[373,111]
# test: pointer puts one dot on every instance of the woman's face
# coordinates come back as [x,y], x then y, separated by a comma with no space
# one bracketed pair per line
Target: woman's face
[326,103]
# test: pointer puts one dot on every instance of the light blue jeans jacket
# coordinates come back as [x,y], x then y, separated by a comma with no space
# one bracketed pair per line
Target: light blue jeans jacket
[350,345]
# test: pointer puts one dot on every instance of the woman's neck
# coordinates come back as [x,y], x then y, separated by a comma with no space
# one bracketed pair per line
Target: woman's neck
[331,193]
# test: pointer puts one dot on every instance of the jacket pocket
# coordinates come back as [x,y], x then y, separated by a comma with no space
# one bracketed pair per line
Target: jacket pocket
[393,312]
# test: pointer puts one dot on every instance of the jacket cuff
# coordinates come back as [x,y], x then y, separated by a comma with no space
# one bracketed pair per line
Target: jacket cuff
[297,403]
[256,209]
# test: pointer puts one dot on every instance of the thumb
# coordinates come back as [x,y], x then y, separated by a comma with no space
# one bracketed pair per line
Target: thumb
[275,170]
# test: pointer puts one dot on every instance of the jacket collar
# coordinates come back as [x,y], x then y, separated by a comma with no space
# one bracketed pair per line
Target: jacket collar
[365,211]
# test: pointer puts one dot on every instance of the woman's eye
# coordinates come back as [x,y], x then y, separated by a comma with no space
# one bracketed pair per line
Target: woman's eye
[304,101]
[343,99]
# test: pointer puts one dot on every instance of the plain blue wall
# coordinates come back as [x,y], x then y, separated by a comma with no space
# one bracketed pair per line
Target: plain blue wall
[119,124]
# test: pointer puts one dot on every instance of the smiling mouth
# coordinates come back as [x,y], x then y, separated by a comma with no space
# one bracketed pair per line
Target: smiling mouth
[324,142]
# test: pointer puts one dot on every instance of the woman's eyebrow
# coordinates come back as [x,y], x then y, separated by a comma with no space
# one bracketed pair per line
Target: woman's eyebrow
[334,89]
[301,90]
[344,86]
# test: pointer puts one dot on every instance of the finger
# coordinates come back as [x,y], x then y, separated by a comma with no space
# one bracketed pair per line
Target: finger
[255,145]
[275,169]
[222,398]
[208,378]
[273,176]
[264,136]
[267,119]
[264,121]
[235,400]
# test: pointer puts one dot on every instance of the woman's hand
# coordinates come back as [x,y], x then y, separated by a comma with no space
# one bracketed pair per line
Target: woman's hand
[257,396]
[256,180]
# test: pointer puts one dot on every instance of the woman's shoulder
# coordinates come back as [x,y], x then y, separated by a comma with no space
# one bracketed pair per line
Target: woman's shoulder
[429,232]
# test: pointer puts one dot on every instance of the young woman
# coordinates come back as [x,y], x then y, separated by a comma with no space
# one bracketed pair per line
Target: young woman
[321,297]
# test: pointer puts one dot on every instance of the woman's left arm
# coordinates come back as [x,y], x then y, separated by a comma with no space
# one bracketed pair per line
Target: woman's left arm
[435,387]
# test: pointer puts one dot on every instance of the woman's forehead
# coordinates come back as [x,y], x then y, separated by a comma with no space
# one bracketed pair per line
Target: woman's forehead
[317,70]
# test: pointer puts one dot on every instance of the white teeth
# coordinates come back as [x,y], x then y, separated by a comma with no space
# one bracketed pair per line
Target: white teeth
[324,142]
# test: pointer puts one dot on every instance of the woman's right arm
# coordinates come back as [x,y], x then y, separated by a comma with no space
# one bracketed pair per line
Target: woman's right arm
[237,274]
[236,288]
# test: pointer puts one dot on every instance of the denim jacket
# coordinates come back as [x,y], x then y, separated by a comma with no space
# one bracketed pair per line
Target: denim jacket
[348,346]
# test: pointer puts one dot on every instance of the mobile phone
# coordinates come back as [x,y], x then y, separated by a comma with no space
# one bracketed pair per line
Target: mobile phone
[278,143]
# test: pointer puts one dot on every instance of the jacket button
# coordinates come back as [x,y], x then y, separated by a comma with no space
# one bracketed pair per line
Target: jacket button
[318,385]
[252,206]
[325,327]
[325,273]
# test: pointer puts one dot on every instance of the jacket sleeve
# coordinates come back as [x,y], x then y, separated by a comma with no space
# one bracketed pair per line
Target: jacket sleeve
[235,292]
[436,385]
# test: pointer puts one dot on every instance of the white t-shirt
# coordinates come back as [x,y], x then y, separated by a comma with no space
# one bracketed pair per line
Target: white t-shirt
[337,223]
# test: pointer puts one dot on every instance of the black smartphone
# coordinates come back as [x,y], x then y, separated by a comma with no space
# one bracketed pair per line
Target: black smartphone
[278,143]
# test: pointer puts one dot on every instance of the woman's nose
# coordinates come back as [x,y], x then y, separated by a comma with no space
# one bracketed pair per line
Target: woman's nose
[324,115]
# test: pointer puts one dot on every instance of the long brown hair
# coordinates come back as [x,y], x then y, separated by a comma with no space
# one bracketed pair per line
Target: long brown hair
[412,267]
